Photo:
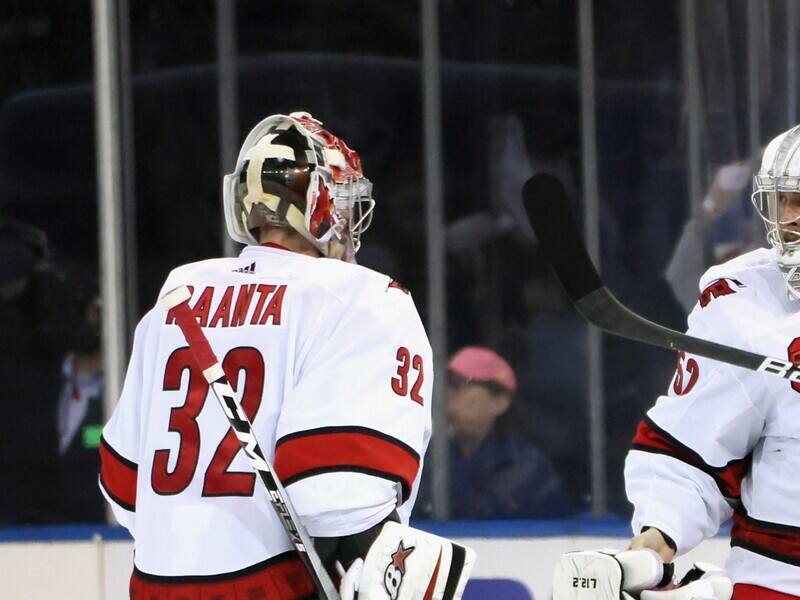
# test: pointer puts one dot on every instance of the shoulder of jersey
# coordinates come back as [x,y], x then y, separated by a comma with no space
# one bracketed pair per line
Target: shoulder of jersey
[353,283]
[350,283]
[191,272]
[740,278]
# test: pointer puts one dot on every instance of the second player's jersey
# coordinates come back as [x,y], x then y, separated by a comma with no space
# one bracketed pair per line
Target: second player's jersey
[725,442]
[333,367]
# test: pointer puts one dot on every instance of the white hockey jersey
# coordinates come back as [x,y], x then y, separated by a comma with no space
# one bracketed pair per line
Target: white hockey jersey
[725,442]
[333,368]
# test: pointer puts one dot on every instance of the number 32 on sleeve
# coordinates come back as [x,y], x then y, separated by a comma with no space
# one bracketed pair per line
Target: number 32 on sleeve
[405,363]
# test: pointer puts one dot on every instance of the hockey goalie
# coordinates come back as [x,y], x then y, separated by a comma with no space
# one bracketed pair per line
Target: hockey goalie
[331,365]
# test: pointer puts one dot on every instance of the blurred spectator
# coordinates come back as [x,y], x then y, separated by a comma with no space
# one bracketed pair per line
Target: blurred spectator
[494,472]
[31,301]
[80,409]
[727,230]
[555,343]
[50,365]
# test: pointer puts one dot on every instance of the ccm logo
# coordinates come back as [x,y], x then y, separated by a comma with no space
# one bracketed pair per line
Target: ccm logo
[782,368]
[586,583]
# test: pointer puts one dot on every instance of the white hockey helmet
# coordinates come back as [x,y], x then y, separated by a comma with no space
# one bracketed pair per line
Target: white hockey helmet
[780,173]
[293,173]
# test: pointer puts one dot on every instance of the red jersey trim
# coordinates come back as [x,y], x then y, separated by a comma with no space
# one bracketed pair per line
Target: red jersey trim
[118,476]
[745,591]
[398,286]
[773,540]
[650,437]
[345,449]
[282,576]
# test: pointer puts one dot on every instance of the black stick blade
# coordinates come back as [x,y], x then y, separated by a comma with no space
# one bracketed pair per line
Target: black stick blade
[548,211]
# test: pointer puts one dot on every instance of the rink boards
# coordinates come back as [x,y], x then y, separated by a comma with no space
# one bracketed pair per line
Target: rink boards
[515,558]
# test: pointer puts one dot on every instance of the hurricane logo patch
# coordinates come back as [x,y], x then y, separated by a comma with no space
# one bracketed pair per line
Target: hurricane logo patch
[393,575]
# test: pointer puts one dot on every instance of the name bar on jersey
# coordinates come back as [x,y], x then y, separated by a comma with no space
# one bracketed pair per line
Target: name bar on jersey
[235,306]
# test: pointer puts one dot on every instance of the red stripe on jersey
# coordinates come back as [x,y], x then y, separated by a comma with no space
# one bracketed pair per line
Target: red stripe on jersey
[118,476]
[744,591]
[282,576]
[651,438]
[779,542]
[357,449]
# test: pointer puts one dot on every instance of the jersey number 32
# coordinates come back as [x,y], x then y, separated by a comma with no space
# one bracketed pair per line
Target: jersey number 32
[217,480]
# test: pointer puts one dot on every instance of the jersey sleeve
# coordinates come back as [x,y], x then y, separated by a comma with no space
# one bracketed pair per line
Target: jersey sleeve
[354,428]
[119,444]
[683,474]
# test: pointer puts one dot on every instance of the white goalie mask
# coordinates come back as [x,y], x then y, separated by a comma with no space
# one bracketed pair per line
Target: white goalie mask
[292,173]
[778,176]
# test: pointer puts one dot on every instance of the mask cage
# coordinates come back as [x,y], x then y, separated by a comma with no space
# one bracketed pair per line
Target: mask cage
[353,202]
[766,199]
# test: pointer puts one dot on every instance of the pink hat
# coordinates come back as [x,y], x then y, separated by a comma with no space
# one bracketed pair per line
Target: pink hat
[478,364]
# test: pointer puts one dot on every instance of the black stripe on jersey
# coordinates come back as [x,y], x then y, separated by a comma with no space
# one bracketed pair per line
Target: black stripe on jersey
[199,579]
[349,429]
[128,463]
[690,457]
[456,568]
[119,502]
[779,527]
[349,469]
[773,540]
[765,552]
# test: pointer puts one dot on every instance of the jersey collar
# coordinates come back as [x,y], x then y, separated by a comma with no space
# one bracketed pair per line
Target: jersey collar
[274,245]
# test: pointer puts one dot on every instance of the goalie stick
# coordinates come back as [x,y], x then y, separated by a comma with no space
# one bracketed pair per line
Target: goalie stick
[546,203]
[178,299]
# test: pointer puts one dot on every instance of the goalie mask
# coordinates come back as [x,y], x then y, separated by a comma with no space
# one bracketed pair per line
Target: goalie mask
[776,196]
[292,173]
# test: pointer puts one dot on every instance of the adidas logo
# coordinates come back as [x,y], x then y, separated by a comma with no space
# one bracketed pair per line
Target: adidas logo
[251,268]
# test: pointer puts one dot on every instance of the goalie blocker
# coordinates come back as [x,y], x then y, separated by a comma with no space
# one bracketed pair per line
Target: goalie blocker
[606,575]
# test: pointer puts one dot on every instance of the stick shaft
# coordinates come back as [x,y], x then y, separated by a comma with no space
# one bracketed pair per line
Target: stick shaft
[178,301]
[547,206]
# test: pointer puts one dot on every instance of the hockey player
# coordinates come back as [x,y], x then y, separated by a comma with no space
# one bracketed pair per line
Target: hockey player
[724,442]
[334,370]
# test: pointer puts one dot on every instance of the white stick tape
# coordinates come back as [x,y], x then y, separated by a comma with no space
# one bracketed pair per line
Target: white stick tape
[173,298]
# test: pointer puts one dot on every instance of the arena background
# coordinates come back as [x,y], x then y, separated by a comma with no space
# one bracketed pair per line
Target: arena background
[118,119]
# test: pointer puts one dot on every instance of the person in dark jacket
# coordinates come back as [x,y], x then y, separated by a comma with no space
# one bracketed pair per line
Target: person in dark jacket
[494,473]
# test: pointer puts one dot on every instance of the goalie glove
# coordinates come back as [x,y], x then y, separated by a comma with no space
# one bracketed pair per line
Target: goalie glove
[404,563]
[608,575]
